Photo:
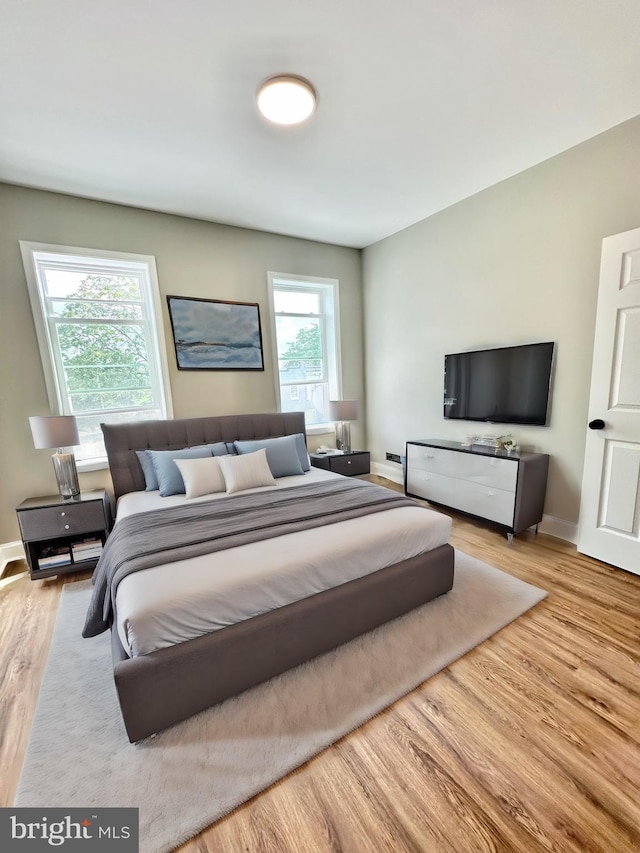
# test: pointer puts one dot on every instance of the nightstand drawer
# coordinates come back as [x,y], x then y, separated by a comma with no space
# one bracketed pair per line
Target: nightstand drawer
[63,520]
[350,464]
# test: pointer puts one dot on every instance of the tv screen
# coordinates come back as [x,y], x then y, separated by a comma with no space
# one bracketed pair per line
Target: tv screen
[508,385]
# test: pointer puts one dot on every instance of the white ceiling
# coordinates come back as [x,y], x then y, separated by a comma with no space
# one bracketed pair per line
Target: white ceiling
[422,102]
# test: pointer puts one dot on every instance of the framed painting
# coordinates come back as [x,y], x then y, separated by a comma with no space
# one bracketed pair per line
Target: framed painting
[211,334]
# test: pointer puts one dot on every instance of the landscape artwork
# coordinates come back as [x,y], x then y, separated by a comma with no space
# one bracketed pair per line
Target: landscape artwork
[210,334]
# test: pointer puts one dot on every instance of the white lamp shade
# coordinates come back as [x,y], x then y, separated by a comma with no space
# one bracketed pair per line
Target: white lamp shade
[343,410]
[55,431]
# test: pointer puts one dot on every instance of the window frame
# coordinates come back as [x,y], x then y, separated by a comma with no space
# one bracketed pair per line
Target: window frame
[101,262]
[330,334]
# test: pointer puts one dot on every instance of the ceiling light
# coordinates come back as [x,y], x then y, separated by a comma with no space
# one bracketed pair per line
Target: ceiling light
[286,99]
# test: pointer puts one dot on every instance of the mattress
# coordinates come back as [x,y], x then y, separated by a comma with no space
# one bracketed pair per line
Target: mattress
[175,602]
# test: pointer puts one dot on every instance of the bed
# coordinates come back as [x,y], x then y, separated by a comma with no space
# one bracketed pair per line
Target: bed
[173,656]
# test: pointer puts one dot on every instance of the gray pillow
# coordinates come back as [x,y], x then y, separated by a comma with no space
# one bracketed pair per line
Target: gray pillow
[282,454]
[170,480]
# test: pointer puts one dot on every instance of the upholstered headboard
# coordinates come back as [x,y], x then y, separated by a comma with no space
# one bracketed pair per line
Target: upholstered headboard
[122,440]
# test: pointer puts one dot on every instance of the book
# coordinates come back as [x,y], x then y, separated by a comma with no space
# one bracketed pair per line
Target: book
[88,549]
[87,543]
[96,549]
[89,555]
[54,560]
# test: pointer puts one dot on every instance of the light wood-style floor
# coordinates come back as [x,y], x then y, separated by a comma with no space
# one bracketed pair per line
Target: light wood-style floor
[531,742]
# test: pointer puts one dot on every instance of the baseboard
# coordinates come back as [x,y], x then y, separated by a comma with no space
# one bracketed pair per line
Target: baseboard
[9,552]
[391,472]
[559,528]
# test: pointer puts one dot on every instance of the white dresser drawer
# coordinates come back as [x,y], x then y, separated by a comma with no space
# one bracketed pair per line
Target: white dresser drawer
[484,501]
[487,471]
[432,459]
[430,486]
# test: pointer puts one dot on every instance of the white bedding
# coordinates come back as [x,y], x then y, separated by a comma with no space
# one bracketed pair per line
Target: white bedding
[172,603]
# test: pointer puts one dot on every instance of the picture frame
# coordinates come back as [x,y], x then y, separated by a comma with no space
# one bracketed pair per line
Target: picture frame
[215,334]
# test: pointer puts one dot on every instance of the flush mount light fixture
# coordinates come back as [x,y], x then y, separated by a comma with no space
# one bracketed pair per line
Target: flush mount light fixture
[286,99]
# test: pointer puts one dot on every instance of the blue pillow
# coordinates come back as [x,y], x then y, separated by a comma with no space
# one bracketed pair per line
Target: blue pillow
[282,454]
[301,446]
[170,480]
[220,449]
[150,479]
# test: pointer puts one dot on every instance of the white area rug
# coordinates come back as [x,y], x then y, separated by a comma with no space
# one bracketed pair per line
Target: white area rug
[191,775]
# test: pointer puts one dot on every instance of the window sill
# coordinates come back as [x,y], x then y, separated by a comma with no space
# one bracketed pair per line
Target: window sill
[320,429]
[92,465]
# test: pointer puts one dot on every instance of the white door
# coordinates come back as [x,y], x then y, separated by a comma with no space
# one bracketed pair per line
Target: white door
[609,526]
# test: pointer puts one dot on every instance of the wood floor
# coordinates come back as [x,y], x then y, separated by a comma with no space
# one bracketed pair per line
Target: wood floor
[531,742]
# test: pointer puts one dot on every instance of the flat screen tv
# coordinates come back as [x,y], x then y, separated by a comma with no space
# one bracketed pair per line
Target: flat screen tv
[509,385]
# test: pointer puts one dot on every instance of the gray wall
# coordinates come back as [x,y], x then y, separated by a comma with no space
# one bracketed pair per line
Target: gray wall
[194,258]
[516,263]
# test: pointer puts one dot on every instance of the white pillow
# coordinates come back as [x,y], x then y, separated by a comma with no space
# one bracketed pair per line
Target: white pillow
[201,476]
[246,472]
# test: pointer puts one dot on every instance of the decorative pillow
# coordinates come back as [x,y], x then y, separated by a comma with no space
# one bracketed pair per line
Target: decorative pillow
[219,449]
[170,480]
[282,454]
[201,476]
[246,472]
[301,445]
[150,479]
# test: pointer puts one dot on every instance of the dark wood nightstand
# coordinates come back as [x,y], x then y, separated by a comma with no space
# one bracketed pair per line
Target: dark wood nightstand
[62,536]
[350,463]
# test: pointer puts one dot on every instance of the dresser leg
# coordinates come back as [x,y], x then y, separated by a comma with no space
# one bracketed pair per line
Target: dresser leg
[509,538]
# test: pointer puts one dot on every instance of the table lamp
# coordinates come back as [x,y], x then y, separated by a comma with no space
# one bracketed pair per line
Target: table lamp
[342,412]
[59,431]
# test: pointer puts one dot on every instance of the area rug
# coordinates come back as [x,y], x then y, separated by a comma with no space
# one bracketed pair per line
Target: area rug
[186,778]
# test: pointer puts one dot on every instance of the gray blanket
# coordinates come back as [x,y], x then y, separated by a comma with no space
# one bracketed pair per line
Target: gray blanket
[178,533]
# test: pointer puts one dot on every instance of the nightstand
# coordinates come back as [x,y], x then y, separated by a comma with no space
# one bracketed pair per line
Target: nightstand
[350,463]
[62,536]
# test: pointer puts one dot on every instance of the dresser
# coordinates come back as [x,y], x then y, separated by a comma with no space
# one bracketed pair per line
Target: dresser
[507,489]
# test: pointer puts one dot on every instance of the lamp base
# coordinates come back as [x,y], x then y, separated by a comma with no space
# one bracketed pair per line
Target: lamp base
[343,436]
[64,464]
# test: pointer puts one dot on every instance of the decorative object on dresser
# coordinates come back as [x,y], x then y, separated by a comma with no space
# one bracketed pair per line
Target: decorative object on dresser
[59,431]
[501,486]
[62,536]
[350,463]
[343,412]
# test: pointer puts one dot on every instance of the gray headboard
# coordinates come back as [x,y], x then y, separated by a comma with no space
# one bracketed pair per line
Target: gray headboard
[122,440]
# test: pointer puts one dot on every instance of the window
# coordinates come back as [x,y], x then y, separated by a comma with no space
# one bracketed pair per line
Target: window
[306,335]
[99,326]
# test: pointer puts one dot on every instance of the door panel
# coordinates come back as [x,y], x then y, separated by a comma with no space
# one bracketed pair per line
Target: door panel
[621,475]
[609,526]
[625,387]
